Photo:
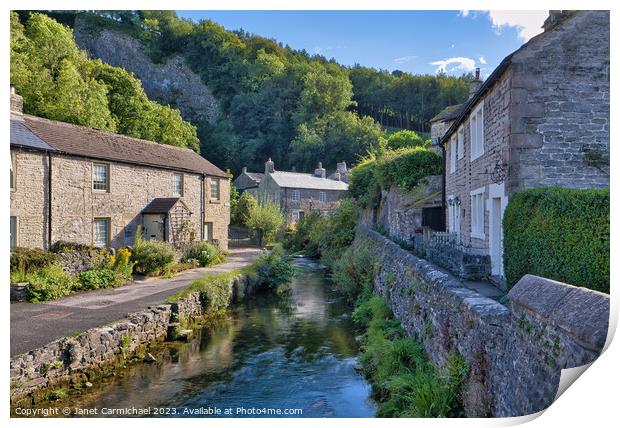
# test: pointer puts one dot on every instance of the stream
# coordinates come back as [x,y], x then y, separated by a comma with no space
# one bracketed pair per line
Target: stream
[287,356]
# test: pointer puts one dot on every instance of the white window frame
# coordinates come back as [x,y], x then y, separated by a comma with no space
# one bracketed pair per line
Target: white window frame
[452,153]
[107,172]
[214,183]
[295,215]
[13,172]
[477,213]
[108,231]
[460,142]
[179,176]
[476,132]
[295,196]
[322,197]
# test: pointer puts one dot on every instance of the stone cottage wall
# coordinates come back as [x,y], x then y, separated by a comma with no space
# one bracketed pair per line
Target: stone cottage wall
[559,121]
[515,353]
[132,187]
[218,212]
[29,199]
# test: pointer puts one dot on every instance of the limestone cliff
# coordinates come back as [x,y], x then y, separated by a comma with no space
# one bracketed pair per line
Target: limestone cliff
[172,82]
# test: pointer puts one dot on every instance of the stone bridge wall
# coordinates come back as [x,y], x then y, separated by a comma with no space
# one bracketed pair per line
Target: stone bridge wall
[515,353]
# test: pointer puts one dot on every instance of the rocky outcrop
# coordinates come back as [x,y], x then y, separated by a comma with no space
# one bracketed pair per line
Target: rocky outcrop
[172,82]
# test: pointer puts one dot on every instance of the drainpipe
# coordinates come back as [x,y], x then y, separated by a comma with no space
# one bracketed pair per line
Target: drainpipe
[202,207]
[443,186]
[49,200]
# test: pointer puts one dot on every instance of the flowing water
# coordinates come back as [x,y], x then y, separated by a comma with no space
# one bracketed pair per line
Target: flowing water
[288,356]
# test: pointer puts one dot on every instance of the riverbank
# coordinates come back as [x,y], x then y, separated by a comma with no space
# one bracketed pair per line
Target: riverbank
[76,361]
[295,352]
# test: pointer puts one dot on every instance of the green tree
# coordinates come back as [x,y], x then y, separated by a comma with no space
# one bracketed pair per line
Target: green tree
[245,206]
[405,138]
[264,220]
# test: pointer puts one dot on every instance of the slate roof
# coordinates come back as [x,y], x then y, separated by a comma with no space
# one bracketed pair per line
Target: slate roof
[448,113]
[24,137]
[160,205]
[255,176]
[82,141]
[306,181]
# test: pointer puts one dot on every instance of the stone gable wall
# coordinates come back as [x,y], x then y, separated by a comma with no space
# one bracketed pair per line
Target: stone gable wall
[29,200]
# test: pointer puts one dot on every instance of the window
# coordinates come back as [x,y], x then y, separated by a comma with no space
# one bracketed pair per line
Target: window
[177,184]
[452,152]
[101,177]
[476,130]
[295,196]
[477,213]
[208,231]
[322,196]
[12,172]
[13,232]
[450,218]
[460,143]
[295,215]
[101,232]
[215,189]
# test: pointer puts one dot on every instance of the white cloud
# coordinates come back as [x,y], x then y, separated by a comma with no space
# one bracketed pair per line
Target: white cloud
[482,60]
[527,22]
[458,64]
[464,13]
[404,59]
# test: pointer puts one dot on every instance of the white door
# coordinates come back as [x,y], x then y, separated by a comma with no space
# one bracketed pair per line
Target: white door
[497,237]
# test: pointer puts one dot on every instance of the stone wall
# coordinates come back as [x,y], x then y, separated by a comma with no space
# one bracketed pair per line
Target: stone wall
[29,199]
[218,212]
[72,361]
[170,83]
[515,353]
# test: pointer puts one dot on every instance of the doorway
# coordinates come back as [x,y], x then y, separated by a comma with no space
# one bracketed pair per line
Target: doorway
[154,227]
[497,237]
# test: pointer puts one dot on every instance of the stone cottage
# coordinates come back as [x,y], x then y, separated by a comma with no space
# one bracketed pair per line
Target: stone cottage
[248,181]
[77,184]
[540,119]
[300,193]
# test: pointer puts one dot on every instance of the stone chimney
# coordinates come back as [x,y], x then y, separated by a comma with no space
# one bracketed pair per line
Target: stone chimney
[320,171]
[244,169]
[475,84]
[341,167]
[269,166]
[337,176]
[555,17]
[293,169]
[17,103]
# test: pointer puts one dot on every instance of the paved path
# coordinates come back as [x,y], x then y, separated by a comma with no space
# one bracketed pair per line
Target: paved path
[36,324]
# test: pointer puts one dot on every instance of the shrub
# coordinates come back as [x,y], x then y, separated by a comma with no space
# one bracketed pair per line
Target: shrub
[124,265]
[304,235]
[264,221]
[28,260]
[406,138]
[151,257]
[363,186]
[353,273]
[241,212]
[561,234]
[99,278]
[49,283]
[338,231]
[404,168]
[205,254]
[274,269]
[67,247]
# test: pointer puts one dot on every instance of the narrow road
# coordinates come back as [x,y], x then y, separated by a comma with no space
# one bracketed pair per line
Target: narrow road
[36,324]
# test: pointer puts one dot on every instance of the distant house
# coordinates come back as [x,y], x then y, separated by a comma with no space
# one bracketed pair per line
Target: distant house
[72,183]
[540,119]
[301,193]
[248,181]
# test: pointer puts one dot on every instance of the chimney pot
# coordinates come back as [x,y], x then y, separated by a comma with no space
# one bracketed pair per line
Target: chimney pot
[478,73]
[17,103]
[269,166]
[245,169]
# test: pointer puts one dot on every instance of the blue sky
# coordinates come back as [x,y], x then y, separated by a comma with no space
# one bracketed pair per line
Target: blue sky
[412,41]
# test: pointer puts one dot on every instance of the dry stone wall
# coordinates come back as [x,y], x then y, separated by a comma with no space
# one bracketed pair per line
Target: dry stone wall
[515,353]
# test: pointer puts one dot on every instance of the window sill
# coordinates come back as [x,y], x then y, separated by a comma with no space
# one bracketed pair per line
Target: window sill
[478,235]
[101,192]
[476,156]
[215,201]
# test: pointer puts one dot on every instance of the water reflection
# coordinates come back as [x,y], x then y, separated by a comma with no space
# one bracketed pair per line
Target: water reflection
[296,352]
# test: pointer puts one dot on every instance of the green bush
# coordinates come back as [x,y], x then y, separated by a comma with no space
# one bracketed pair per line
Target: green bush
[241,213]
[406,138]
[49,283]
[205,254]
[303,235]
[30,259]
[151,257]
[99,278]
[561,234]
[404,168]
[363,186]
[353,273]
[123,264]
[274,269]
[264,221]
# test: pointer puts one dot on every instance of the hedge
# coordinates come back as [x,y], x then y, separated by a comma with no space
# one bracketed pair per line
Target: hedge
[561,234]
